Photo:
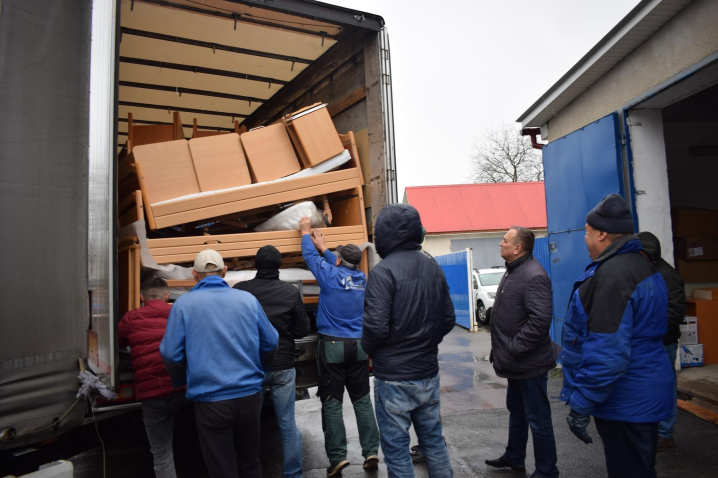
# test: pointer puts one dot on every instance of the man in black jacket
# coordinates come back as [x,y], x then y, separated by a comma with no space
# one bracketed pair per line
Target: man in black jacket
[676,313]
[407,313]
[522,352]
[285,310]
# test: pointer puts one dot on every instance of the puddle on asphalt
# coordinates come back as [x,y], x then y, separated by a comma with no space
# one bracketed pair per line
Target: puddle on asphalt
[464,342]
[465,378]
[455,358]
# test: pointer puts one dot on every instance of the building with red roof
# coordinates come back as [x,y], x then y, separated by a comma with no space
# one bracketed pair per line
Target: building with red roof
[477,216]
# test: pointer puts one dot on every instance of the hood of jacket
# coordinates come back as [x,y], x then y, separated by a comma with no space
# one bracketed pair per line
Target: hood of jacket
[651,245]
[398,228]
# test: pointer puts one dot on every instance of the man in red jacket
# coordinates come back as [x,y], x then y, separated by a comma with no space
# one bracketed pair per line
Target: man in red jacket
[143,329]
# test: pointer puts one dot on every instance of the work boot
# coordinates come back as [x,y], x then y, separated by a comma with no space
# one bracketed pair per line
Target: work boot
[335,470]
[665,443]
[371,462]
[503,463]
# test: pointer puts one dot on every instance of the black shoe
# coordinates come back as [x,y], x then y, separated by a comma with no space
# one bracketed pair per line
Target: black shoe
[335,470]
[665,443]
[502,463]
[371,462]
[416,455]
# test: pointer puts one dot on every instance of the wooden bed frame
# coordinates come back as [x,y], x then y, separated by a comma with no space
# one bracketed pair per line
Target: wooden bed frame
[166,171]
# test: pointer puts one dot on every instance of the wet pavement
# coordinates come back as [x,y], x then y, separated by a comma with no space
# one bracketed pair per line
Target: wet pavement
[475,426]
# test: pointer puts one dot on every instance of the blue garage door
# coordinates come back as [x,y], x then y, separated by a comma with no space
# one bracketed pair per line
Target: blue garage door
[580,169]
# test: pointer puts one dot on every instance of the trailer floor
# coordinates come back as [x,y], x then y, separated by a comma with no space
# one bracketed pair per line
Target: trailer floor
[475,426]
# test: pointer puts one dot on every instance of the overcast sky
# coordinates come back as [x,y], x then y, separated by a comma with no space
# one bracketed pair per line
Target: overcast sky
[461,66]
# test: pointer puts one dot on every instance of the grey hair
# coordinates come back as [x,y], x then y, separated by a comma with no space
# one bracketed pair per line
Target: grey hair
[154,288]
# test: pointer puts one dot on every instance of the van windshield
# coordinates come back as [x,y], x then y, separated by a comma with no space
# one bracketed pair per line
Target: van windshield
[492,278]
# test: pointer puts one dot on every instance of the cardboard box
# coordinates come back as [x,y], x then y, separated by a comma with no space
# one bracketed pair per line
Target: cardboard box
[706,294]
[698,271]
[691,355]
[269,153]
[313,134]
[694,222]
[697,248]
[689,331]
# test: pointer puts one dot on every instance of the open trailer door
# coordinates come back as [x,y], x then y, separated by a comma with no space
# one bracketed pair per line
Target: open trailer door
[579,170]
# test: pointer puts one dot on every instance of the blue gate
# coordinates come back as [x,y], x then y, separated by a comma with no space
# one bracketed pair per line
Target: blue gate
[541,253]
[579,170]
[457,268]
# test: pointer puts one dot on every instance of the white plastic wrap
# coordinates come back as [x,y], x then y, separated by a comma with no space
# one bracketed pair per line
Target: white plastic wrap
[288,219]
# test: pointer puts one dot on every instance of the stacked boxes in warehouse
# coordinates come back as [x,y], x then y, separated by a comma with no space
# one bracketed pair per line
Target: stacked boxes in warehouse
[695,234]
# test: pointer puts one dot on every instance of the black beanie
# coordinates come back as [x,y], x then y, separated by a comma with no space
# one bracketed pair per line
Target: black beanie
[268,257]
[611,215]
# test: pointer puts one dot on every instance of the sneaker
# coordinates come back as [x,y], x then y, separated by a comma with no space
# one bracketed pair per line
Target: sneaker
[334,470]
[371,462]
[503,463]
[665,443]
[416,455]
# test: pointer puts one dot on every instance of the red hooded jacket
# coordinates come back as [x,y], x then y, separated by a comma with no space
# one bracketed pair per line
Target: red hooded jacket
[143,329]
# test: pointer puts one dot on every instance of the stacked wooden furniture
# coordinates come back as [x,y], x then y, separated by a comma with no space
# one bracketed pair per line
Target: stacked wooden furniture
[210,191]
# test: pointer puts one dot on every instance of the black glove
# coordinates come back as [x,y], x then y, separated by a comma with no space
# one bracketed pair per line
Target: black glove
[578,422]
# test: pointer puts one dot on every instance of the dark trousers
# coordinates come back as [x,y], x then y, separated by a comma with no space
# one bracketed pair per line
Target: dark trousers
[528,405]
[630,448]
[229,436]
[343,363]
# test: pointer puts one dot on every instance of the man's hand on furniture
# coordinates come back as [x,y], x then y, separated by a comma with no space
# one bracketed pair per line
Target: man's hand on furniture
[318,240]
[305,225]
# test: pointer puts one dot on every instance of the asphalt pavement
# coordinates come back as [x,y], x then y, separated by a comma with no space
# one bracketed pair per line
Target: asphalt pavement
[475,427]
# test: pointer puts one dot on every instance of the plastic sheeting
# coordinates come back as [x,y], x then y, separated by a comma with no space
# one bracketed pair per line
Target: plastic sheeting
[44,73]
[288,219]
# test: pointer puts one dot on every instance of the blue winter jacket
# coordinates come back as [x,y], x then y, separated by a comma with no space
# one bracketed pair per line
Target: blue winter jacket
[614,363]
[341,295]
[220,335]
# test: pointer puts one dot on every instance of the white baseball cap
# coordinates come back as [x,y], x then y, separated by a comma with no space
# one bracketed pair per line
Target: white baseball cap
[208,256]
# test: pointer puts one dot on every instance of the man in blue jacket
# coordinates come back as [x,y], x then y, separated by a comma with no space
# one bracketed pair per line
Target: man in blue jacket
[341,360]
[615,366]
[223,340]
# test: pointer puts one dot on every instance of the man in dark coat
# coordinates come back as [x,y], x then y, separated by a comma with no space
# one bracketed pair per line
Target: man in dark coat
[614,363]
[522,352]
[142,329]
[407,313]
[676,313]
[284,307]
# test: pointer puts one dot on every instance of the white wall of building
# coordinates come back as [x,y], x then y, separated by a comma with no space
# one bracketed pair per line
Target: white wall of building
[650,176]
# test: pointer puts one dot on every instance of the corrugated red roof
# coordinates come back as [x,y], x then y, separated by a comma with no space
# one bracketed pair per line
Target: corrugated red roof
[479,207]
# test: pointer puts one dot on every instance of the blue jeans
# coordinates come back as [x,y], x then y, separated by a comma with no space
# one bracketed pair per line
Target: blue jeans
[398,405]
[527,401]
[665,428]
[282,384]
[159,417]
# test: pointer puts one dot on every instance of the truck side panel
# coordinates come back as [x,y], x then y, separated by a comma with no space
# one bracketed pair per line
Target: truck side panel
[44,73]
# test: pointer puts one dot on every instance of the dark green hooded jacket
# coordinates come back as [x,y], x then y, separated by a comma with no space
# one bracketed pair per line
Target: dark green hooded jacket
[674,282]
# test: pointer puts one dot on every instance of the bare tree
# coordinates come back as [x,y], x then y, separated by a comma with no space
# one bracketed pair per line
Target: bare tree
[502,155]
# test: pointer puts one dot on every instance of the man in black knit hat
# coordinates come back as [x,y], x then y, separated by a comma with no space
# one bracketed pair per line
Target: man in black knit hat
[614,365]
[284,307]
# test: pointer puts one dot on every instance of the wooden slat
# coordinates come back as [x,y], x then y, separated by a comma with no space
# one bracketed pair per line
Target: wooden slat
[181,282]
[219,247]
[252,192]
[348,101]
[178,258]
[698,411]
[244,205]
[311,300]
[247,236]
